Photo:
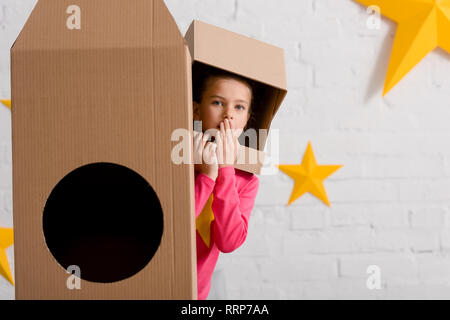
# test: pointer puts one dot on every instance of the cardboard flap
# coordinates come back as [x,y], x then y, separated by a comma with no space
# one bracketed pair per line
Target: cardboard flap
[237,53]
[212,47]
[250,160]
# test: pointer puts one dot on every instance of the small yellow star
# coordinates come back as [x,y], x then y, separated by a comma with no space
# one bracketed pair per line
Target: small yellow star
[309,176]
[7,103]
[423,25]
[6,240]
[203,222]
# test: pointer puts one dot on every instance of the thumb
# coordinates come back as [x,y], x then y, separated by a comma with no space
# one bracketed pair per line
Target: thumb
[214,148]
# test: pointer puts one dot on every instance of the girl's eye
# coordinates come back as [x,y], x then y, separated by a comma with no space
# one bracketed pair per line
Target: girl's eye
[240,107]
[216,102]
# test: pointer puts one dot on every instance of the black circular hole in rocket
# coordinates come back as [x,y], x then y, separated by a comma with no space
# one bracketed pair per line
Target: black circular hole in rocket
[104,218]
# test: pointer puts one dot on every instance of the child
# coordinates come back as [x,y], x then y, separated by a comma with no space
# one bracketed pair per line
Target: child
[224,196]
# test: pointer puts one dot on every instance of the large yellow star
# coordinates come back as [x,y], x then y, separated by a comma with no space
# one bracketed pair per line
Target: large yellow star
[6,240]
[6,103]
[309,176]
[423,25]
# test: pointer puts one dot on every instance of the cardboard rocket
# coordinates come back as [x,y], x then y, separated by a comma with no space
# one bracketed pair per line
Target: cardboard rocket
[97,91]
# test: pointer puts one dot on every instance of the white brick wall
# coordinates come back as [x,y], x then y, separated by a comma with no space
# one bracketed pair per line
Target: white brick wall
[390,201]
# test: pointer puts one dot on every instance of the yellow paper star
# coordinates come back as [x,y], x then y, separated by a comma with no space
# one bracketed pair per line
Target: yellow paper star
[309,176]
[6,103]
[423,25]
[203,222]
[6,240]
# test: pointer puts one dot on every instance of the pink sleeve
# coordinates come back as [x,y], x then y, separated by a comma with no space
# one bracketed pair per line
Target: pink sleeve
[204,186]
[232,209]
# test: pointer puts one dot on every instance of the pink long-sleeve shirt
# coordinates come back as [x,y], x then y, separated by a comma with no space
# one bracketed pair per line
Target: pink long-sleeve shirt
[234,193]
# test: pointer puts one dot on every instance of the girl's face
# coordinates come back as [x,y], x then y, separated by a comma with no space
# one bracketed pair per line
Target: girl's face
[224,98]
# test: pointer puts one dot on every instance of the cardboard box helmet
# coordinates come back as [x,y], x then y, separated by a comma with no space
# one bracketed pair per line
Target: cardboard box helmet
[215,50]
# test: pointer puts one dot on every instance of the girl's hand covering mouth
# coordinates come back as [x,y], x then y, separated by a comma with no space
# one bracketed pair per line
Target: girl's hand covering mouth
[205,157]
[227,144]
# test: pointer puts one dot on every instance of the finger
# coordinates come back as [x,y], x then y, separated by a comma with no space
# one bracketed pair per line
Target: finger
[197,135]
[215,133]
[210,153]
[234,131]
[214,154]
[207,147]
[211,148]
[228,127]
[218,138]
[229,135]
[206,152]
[197,140]
[206,137]
[224,133]
[211,145]
[219,143]
[219,148]
[222,128]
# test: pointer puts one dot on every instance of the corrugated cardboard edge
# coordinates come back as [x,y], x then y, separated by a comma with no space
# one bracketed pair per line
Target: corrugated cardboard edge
[191,178]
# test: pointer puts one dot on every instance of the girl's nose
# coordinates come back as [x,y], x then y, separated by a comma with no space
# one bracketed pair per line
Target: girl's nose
[228,114]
